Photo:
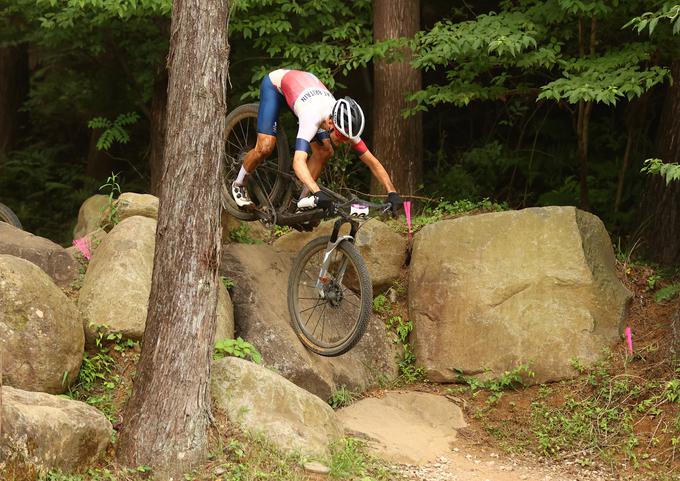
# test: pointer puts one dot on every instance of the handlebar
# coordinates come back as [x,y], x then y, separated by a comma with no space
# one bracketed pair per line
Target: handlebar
[359,208]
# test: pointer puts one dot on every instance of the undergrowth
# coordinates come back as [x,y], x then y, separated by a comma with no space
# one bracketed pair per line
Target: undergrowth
[603,413]
[401,327]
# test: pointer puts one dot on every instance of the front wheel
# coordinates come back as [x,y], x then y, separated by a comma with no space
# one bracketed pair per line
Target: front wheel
[6,215]
[329,315]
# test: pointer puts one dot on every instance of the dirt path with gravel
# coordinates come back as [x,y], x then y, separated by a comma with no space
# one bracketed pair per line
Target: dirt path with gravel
[424,435]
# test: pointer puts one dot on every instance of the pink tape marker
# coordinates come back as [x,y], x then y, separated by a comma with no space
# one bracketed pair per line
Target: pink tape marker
[629,339]
[83,246]
[407,211]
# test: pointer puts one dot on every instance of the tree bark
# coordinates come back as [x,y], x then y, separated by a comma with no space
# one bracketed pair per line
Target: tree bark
[398,142]
[13,90]
[661,203]
[166,419]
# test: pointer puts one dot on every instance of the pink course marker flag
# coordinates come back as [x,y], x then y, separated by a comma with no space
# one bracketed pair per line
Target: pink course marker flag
[83,245]
[407,211]
[629,339]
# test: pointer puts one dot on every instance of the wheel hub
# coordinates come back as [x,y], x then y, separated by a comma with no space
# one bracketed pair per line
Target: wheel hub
[333,294]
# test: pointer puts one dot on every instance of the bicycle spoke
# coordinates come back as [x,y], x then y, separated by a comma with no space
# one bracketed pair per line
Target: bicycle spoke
[323,325]
[313,307]
[245,136]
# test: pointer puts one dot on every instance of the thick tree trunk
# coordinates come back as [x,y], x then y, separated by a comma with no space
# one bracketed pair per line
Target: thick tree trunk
[158,129]
[13,90]
[661,204]
[166,420]
[398,142]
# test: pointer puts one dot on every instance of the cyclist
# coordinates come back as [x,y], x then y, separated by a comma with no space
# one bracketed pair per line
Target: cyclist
[323,122]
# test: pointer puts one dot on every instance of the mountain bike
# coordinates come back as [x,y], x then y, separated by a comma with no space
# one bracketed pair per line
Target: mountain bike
[6,215]
[330,293]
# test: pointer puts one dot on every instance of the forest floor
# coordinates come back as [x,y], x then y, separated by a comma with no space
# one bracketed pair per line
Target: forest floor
[619,420]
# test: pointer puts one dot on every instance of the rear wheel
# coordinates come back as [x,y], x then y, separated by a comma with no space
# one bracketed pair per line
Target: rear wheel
[6,215]
[331,319]
[265,185]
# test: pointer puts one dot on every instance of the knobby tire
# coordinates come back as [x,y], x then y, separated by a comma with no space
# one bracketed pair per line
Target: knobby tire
[365,291]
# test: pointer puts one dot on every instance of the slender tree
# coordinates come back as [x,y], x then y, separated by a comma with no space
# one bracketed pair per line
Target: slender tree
[13,89]
[661,205]
[166,419]
[398,141]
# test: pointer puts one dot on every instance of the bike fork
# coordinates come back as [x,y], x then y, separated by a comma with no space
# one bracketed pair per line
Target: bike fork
[335,240]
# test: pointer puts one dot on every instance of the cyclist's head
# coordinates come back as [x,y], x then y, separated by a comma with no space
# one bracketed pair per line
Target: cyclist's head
[348,118]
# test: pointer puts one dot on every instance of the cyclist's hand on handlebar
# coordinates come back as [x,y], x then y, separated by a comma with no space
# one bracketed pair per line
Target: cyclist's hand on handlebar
[396,201]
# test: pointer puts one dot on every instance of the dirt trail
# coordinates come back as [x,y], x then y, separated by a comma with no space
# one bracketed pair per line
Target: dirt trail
[424,435]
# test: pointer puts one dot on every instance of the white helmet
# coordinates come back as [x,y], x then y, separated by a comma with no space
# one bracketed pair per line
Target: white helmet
[348,118]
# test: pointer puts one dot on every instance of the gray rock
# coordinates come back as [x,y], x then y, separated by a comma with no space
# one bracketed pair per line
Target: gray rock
[405,427]
[117,283]
[130,204]
[496,290]
[50,257]
[41,331]
[254,231]
[89,215]
[50,431]
[383,250]
[260,275]
[262,402]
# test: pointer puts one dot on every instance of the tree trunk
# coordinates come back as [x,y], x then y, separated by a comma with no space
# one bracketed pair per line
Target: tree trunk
[13,90]
[158,129]
[584,111]
[661,203]
[166,419]
[398,142]
[99,163]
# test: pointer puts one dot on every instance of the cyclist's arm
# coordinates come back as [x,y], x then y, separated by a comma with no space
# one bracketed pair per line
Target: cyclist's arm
[302,171]
[307,129]
[377,170]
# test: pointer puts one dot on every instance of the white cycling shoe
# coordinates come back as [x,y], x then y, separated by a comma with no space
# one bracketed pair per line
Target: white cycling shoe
[307,203]
[240,195]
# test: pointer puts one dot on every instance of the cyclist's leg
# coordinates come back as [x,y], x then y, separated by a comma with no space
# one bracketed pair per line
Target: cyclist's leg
[267,118]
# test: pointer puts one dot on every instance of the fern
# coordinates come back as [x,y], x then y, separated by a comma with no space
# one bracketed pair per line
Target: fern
[114,131]
[667,293]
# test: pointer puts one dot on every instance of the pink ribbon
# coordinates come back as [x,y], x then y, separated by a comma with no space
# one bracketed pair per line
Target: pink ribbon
[407,211]
[629,339]
[83,245]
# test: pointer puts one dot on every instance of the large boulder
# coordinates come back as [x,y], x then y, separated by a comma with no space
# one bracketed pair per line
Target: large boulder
[405,427]
[51,432]
[383,250]
[492,291]
[41,332]
[235,230]
[89,215]
[117,284]
[263,402]
[260,276]
[130,204]
[50,257]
